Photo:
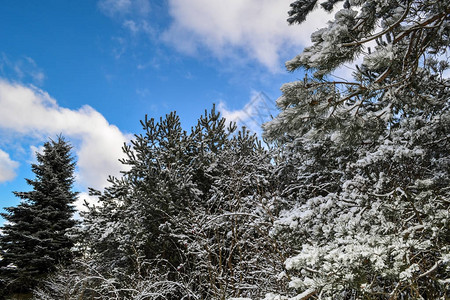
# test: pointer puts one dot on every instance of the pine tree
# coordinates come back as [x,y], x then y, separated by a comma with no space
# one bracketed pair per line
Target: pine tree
[189,219]
[137,231]
[34,239]
[366,160]
[235,252]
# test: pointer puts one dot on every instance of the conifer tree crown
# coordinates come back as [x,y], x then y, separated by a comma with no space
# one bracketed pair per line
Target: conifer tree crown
[34,239]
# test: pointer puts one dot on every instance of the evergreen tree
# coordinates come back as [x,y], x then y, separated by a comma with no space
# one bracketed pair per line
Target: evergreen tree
[189,219]
[366,161]
[138,230]
[34,239]
[239,257]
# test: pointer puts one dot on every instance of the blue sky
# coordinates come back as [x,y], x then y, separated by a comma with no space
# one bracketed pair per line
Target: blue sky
[91,70]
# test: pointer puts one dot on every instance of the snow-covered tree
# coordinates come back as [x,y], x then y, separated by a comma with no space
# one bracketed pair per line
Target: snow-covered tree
[190,218]
[366,161]
[34,240]
[235,255]
[128,232]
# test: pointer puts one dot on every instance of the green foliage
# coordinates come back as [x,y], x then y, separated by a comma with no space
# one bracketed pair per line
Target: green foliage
[351,203]
[191,213]
[400,75]
[366,161]
[35,240]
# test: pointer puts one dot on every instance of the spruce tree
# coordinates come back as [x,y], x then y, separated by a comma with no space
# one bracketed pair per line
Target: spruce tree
[34,239]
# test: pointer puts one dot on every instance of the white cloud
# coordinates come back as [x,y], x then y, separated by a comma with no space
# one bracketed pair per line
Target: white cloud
[85,197]
[82,199]
[134,17]
[113,7]
[7,167]
[255,28]
[255,112]
[22,68]
[138,26]
[33,151]
[131,25]
[125,8]
[240,30]
[29,111]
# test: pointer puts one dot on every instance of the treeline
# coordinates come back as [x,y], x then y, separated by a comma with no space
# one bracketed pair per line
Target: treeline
[349,199]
